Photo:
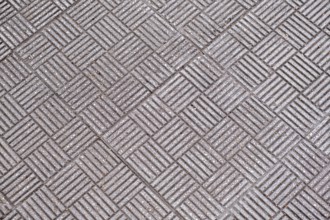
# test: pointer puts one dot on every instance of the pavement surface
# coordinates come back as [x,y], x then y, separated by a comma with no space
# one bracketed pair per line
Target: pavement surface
[165,109]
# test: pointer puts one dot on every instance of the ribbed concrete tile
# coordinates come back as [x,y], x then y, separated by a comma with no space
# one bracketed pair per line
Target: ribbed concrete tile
[165,109]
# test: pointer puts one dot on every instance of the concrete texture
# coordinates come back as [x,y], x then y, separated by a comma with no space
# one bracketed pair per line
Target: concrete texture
[164,109]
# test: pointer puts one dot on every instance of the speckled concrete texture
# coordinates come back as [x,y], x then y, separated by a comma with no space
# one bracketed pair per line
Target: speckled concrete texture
[165,109]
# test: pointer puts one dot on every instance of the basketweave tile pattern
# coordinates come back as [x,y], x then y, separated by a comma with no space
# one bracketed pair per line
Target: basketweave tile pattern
[164,109]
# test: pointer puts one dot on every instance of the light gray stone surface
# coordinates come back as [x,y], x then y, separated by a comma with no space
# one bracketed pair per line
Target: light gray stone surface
[164,109]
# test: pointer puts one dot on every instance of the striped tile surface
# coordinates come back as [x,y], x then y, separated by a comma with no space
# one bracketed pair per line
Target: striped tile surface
[164,109]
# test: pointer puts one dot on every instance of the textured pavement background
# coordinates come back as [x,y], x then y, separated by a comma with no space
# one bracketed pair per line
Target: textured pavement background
[164,109]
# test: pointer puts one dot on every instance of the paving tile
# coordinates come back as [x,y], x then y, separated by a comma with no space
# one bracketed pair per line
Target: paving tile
[165,109]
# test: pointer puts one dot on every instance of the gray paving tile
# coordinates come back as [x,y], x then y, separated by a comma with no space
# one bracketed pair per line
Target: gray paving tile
[164,109]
